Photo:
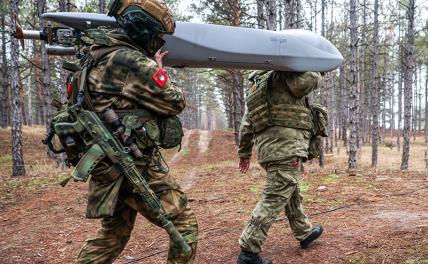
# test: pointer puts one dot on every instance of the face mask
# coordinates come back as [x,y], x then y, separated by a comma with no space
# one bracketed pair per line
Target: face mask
[143,31]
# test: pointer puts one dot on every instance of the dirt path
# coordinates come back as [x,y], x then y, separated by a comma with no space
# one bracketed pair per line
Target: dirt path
[201,149]
[386,220]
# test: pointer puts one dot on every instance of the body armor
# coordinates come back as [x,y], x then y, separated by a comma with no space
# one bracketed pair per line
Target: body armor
[263,114]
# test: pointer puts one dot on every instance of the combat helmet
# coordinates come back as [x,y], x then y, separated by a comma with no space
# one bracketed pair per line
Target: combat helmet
[143,21]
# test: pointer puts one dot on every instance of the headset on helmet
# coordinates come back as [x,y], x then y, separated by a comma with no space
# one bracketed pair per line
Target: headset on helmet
[143,21]
[155,9]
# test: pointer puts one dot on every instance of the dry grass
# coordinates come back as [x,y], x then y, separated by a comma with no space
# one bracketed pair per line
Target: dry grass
[386,222]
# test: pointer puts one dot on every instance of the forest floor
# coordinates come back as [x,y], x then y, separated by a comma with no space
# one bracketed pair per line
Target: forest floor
[378,216]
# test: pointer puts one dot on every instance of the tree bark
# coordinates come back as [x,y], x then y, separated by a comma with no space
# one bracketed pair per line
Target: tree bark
[343,108]
[271,14]
[353,93]
[392,104]
[29,101]
[375,85]
[400,85]
[101,6]
[17,157]
[364,117]
[4,69]
[331,112]
[46,74]
[408,84]
[261,19]
[290,7]
[420,99]
[426,103]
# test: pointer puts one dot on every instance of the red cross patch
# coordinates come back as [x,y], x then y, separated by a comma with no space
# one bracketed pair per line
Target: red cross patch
[160,78]
[69,89]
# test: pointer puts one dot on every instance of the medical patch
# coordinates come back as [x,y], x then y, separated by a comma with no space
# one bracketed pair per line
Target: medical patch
[160,78]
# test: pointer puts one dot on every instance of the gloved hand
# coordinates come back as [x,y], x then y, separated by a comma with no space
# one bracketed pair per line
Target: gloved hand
[244,164]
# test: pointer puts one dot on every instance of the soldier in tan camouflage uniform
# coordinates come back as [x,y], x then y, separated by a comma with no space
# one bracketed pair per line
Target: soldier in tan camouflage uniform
[279,122]
[126,79]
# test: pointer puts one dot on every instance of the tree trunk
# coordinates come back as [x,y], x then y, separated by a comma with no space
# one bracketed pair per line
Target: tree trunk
[426,104]
[415,104]
[271,14]
[343,107]
[238,106]
[408,84]
[400,85]
[101,6]
[392,104]
[364,117]
[290,14]
[261,19]
[46,73]
[280,9]
[23,108]
[62,90]
[375,85]
[323,7]
[29,101]
[331,112]
[4,69]
[18,160]
[420,99]
[62,5]
[353,93]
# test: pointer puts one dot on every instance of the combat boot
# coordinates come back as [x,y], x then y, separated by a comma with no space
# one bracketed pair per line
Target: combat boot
[251,258]
[315,233]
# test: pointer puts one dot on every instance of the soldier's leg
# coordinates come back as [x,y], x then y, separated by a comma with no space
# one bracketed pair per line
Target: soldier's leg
[174,204]
[111,239]
[279,187]
[299,222]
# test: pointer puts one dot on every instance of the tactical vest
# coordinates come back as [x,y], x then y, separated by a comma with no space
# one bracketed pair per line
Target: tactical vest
[149,129]
[263,114]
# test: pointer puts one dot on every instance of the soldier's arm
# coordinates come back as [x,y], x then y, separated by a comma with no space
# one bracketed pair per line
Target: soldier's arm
[245,148]
[299,83]
[151,87]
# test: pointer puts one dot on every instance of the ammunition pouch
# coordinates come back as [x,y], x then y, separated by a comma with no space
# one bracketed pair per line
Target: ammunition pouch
[171,132]
[151,131]
[69,134]
[320,129]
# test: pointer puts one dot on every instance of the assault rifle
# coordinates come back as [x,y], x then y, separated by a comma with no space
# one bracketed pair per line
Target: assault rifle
[203,45]
[102,143]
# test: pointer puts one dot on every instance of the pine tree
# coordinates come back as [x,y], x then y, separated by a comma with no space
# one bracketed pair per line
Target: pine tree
[17,157]
[375,85]
[353,93]
[408,84]
[4,70]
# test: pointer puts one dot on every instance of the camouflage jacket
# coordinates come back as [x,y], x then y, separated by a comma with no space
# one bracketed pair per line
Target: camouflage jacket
[124,79]
[279,142]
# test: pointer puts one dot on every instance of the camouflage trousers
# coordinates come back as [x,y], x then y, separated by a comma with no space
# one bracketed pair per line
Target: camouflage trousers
[116,230]
[281,192]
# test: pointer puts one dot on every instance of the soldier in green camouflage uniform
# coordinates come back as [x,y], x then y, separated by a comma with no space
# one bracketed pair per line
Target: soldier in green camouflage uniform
[278,121]
[125,79]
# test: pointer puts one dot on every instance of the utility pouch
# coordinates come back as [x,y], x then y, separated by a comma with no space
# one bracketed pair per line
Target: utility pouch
[320,129]
[171,132]
[320,120]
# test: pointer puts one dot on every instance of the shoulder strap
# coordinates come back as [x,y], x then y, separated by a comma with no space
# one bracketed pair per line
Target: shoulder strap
[98,53]
[94,57]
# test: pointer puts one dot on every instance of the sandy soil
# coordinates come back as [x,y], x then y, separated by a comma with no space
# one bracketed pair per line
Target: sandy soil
[379,216]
